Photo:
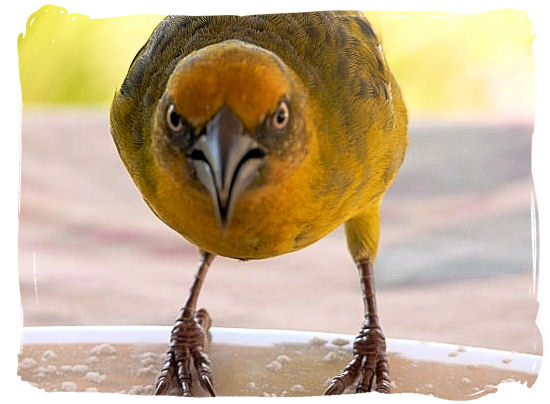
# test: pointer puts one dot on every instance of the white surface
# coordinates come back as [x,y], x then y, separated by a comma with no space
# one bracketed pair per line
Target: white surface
[413,350]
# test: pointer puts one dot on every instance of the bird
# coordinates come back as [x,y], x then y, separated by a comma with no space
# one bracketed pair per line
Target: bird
[255,136]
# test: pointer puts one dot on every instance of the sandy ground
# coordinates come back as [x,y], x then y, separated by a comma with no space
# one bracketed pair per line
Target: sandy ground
[455,262]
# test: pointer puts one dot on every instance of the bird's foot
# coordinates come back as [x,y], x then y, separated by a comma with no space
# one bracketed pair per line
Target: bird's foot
[369,364]
[187,350]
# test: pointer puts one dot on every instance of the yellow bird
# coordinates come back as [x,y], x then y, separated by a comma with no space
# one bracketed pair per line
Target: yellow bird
[256,136]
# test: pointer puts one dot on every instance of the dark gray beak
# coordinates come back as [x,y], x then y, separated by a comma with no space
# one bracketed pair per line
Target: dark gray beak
[226,161]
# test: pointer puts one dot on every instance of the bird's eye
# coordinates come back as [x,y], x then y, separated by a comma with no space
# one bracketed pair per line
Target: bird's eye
[173,119]
[281,117]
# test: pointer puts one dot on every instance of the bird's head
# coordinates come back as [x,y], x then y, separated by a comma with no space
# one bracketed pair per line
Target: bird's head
[232,120]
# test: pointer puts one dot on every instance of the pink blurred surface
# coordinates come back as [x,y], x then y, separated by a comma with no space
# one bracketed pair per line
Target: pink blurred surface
[92,253]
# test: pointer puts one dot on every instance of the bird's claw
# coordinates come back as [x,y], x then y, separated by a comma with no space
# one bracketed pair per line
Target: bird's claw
[369,363]
[187,342]
[162,388]
[335,387]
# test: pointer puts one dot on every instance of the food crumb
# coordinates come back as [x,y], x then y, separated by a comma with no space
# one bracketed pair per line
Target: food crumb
[297,388]
[147,370]
[68,386]
[27,363]
[506,360]
[91,360]
[65,368]
[148,355]
[103,349]
[317,341]
[148,358]
[340,342]
[490,388]
[251,385]
[80,369]
[148,361]
[50,369]
[95,377]
[91,389]
[274,366]
[49,354]
[329,357]
[283,359]
[466,380]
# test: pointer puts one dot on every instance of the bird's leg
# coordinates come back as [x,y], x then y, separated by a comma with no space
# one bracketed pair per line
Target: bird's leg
[369,362]
[187,343]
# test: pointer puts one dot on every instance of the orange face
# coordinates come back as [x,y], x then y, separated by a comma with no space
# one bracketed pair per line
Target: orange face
[232,152]
[249,80]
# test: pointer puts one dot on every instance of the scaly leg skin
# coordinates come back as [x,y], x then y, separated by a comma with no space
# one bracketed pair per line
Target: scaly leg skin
[369,362]
[187,344]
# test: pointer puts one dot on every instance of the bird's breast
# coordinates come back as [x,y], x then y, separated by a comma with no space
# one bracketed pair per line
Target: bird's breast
[284,215]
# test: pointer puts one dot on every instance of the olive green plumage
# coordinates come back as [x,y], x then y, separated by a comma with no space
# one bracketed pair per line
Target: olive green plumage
[335,53]
[256,136]
[360,120]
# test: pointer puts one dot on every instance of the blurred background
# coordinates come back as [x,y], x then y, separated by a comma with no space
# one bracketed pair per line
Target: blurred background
[456,260]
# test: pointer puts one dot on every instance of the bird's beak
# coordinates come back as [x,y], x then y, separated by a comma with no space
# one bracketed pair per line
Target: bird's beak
[226,161]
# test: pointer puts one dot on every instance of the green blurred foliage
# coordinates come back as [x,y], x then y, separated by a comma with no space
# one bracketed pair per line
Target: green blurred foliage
[445,63]
[466,64]
[70,58]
